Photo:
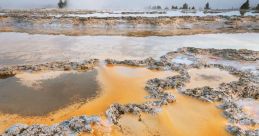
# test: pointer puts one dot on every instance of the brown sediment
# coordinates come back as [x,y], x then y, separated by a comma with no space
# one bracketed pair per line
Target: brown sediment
[127,26]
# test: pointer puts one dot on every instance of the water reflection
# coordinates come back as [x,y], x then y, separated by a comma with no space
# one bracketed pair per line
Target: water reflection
[118,84]
[26,48]
[55,93]
[243,12]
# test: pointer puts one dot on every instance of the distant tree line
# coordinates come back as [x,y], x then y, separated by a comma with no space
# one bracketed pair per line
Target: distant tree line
[244,6]
[185,6]
[174,7]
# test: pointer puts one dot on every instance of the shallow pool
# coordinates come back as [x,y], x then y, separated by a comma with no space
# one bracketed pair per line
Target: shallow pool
[26,48]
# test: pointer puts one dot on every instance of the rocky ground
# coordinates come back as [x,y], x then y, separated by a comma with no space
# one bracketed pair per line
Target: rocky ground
[240,123]
[59,22]
[53,66]
[68,127]
[228,93]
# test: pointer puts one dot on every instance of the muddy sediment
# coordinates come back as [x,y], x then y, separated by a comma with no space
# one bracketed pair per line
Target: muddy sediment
[45,23]
[227,93]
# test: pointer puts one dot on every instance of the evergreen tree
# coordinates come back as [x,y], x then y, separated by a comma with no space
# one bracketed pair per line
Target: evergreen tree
[257,7]
[193,7]
[245,5]
[62,3]
[174,7]
[207,6]
[185,6]
[158,7]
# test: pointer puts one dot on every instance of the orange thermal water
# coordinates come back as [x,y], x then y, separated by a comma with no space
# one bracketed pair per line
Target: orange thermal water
[187,116]
[121,84]
[118,85]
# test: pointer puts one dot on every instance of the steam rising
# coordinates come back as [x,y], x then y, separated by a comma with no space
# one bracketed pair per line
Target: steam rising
[122,4]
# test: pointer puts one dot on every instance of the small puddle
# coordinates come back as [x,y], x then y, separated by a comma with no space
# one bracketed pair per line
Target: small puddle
[211,77]
[37,94]
[250,107]
[183,59]
[121,84]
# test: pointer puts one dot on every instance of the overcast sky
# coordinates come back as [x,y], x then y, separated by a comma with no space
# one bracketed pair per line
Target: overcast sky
[121,4]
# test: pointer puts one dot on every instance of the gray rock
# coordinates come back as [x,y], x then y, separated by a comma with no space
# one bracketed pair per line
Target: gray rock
[69,127]
[6,72]
[116,110]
